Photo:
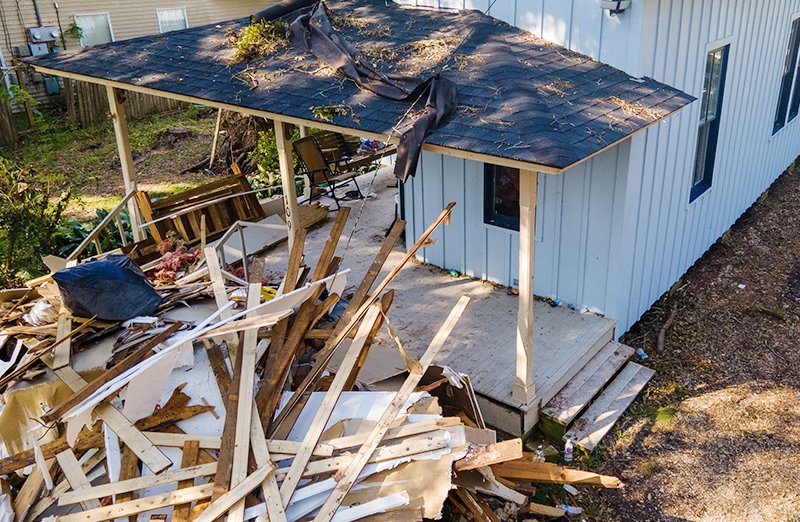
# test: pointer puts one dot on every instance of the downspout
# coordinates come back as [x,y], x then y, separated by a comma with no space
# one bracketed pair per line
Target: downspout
[38,15]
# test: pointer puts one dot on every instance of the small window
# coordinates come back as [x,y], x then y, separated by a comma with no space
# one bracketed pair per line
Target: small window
[789,99]
[171,19]
[95,28]
[501,201]
[710,114]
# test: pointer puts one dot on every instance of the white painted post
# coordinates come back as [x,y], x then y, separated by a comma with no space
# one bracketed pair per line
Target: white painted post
[116,99]
[287,180]
[524,389]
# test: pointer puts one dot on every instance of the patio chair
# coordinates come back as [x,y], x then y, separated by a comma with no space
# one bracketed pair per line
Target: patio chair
[319,171]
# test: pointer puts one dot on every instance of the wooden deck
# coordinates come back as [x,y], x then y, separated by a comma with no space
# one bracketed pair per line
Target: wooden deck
[483,343]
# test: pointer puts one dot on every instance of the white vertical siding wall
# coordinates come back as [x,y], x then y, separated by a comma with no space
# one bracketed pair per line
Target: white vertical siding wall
[578,214]
[580,25]
[663,233]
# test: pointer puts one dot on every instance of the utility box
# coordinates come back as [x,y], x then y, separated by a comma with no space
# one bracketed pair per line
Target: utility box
[39,49]
[45,33]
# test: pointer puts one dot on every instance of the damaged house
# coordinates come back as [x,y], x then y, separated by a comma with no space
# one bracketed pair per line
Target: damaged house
[583,151]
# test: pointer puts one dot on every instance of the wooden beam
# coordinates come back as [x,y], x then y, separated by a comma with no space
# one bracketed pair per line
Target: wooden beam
[244,415]
[232,497]
[132,507]
[116,100]
[75,476]
[350,474]
[215,140]
[191,451]
[286,161]
[524,389]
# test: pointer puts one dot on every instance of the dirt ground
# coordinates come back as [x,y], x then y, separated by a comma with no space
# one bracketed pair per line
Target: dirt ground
[717,434]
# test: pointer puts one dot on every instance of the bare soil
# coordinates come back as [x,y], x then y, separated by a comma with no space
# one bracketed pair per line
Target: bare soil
[717,434]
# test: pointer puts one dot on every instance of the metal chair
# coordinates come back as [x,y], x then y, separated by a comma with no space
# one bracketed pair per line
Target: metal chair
[318,170]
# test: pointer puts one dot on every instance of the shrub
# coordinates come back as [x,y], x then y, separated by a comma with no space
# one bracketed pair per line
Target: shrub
[29,218]
[265,158]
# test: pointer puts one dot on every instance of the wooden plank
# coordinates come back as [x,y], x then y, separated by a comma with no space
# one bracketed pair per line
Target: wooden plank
[328,403]
[137,483]
[222,478]
[350,475]
[270,491]
[133,507]
[134,358]
[291,278]
[326,256]
[75,476]
[589,429]
[62,352]
[524,389]
[225,502]
[220,296]
[241,448]
[481,456]
[129,468]
[286,162]
[551,473]
[219,367]
[191,450]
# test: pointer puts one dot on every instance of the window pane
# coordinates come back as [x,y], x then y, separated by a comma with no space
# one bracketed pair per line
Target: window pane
[171,19]
[95,29]
[501,188]
[788,73]
[506,192]
[700,159]
[708,131]
[795,108]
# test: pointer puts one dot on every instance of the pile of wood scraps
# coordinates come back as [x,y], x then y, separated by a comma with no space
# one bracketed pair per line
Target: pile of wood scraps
[222,406]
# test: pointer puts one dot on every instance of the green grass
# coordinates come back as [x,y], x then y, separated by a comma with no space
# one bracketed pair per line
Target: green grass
[65,156]
[63,153]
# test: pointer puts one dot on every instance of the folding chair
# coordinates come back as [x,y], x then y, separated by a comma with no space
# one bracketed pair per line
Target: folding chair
[319,171]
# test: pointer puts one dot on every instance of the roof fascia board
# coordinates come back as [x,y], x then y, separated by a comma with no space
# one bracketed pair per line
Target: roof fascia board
[464,154]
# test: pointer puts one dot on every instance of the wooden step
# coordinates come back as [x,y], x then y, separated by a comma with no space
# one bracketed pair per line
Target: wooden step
[573,398]
[592,426]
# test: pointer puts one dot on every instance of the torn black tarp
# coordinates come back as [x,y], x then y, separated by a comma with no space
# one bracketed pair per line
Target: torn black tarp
[312,31]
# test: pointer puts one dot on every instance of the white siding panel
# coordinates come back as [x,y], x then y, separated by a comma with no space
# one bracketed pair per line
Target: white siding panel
[671,233]
[574,238]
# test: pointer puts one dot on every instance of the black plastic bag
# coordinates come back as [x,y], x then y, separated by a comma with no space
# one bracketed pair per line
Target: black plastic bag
[113,289]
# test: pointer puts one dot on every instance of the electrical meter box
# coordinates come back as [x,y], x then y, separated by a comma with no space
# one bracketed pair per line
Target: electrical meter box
[46,33]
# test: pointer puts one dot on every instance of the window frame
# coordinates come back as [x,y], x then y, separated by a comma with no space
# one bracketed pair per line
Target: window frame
[708,129]
[788,106]
[100,13]
[158,19]
[490,215]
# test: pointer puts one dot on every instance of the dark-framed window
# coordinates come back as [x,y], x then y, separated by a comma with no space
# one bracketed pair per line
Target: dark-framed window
[501,196]
[789,98]
[710,115]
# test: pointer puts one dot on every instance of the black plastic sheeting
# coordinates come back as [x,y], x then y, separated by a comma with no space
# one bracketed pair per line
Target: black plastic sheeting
[113,289]
[312,31]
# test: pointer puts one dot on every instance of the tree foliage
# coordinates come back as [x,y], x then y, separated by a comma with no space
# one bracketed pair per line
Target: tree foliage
[30,215]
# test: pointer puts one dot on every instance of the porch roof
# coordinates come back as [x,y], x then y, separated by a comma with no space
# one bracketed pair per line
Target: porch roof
[522,101]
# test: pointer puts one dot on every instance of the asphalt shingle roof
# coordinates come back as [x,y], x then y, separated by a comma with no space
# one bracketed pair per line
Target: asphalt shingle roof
[520,97]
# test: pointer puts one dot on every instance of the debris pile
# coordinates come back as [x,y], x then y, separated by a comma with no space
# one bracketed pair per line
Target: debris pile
[220,404]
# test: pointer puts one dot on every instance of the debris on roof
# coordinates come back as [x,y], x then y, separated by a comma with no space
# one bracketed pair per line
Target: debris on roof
[520,97]
[220,402]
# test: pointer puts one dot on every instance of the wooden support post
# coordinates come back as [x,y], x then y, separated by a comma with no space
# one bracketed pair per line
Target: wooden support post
[524,389]
[116,98]
[215,140]
[286,161]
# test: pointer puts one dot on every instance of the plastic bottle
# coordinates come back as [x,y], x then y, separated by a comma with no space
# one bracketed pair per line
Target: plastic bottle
[570,510]
[568,450]
[540,451]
